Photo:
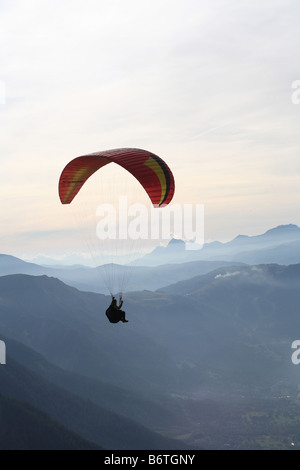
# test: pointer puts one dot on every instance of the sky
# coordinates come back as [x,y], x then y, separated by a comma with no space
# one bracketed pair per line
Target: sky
[205,84]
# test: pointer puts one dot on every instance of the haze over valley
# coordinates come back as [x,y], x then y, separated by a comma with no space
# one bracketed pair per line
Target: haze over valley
[200,357]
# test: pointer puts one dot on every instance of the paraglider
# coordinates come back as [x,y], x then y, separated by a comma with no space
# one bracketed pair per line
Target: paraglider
[114,312]
[150,170]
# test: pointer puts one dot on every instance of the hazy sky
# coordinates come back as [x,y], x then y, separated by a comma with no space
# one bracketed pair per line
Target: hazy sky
[205,84]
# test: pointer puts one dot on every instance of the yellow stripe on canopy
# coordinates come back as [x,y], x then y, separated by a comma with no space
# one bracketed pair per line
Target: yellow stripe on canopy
[77,180]
[155,166]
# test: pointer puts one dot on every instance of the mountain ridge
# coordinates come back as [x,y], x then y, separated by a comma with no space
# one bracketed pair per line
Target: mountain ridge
[227,251]
[81,417]
[24,427]
[221,342]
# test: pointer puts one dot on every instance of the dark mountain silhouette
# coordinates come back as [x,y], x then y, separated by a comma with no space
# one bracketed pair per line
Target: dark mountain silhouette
[145,410]
[84,418]
[69,327]
[252,315]
[219,341]
[24,427]
[238,307]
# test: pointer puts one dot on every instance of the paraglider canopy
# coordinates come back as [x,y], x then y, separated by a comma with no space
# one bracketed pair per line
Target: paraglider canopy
[150,170]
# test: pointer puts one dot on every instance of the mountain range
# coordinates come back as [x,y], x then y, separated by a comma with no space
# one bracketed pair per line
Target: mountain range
[204,362]
[47,398]
[197,361]
[95,279]
[167,265]
[277,245]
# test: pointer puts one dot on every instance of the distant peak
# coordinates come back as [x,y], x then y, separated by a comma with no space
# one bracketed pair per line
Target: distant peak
[239,239]
[282,228]
[176,242]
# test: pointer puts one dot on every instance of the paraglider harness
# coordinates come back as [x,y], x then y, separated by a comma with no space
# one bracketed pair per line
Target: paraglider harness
[114,312]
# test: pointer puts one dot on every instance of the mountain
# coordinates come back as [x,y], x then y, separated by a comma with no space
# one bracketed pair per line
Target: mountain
[95,279]
[69,327]
[217,346]
[24,427]
[252,315]
[236,276]
[136,407]
[53,404]
[170,264]
[167,328]
[285,253]
[12,265]
[277,245]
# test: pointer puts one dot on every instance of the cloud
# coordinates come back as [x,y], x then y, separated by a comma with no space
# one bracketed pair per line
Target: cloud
[224,276]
